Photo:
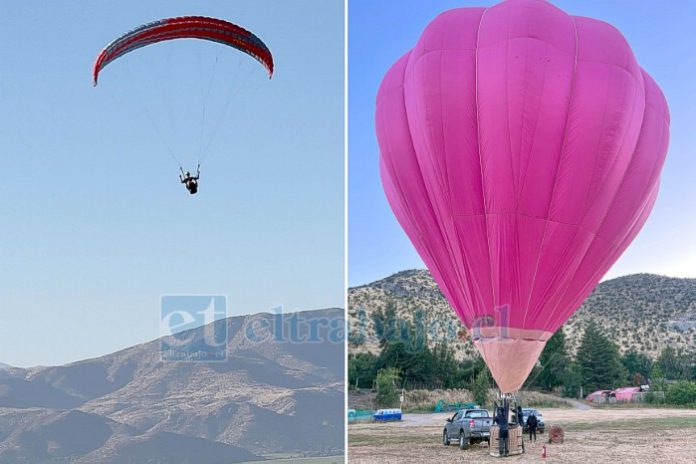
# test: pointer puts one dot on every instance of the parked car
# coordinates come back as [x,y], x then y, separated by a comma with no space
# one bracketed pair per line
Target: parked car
[384,415]
[540,419]
[468,426]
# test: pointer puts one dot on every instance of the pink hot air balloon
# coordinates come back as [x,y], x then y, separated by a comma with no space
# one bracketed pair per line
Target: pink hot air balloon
[521,150]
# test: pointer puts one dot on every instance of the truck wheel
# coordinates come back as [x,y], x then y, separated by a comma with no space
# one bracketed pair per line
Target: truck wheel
[445,438]
[463,441]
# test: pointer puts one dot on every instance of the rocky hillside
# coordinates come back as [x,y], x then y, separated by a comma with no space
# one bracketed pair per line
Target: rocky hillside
[273,395]
[643,312]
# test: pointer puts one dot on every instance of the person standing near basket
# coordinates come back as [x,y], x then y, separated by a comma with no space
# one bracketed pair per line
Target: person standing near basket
[532,423]
[502,420]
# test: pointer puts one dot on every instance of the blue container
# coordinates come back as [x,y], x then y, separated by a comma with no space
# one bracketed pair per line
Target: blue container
[384,415]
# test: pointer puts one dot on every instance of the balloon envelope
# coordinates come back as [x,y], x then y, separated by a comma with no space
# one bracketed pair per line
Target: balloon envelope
[521,150]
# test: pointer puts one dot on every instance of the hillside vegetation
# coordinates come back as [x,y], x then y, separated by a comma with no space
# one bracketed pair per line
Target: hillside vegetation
[642,312]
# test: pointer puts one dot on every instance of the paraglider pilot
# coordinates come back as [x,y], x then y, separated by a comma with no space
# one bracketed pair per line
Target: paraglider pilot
[190,181]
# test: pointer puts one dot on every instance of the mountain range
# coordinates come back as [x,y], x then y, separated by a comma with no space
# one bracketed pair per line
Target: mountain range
[643,312]
[273,395]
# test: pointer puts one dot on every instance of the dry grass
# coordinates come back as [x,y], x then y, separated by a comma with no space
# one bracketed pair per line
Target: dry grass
[592,436]
[425,400]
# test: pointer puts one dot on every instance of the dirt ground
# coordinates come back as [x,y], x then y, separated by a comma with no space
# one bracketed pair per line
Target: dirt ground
[633,436]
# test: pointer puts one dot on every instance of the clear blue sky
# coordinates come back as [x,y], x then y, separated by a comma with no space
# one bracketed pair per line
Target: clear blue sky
[662,37]
[95,223]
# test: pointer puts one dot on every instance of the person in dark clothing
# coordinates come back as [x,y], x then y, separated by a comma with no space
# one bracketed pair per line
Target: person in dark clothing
[518,414]
[503,437]
[532,423]
[190,181]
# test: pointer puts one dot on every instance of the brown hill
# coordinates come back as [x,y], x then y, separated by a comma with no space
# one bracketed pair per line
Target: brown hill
[271,396]
[644,312]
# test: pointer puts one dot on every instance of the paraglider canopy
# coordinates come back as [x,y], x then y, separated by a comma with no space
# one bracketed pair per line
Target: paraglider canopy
[521,150]
[201,113]
[185,27]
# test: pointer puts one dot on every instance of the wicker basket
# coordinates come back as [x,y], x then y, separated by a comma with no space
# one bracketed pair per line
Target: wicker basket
[515,443]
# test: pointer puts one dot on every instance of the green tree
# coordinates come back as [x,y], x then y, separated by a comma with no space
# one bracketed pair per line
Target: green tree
[657,378]
[676,364]
[681,393]
[599,361]
[481,385]
[387,389]
[417,366]
[362,370]
[637,380]
[554,363]
[357,330]
[450,372]
[636,363]
[385,323]
[669,363]
[572,381]
[394,354]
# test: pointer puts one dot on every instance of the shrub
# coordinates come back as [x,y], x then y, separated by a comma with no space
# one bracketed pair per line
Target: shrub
[681,393]
[654,398]
[387,394]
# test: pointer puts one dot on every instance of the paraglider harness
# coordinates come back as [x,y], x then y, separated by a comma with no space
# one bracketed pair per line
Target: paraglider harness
[190,181]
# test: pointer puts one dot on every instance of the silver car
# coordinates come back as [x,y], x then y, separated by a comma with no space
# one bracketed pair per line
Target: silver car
[468,426]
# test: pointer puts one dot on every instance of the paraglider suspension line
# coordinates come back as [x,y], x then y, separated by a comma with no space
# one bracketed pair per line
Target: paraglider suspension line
[231,95]
[205,105]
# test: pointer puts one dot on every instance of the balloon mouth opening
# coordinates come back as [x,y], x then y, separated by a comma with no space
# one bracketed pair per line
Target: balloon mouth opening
[510,353]
[506,333]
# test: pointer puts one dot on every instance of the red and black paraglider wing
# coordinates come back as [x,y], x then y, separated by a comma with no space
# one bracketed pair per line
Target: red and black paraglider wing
[186,27]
